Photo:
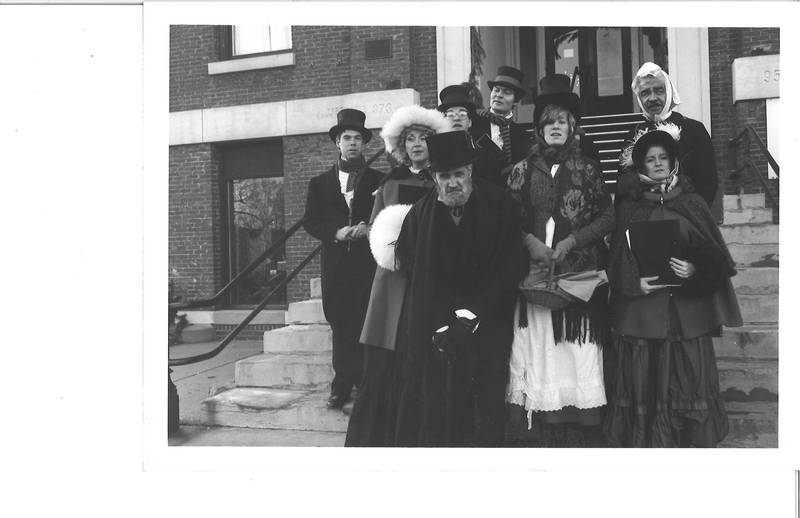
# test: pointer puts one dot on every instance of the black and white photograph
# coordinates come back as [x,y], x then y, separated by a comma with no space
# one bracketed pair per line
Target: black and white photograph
[434,258]
[474,236]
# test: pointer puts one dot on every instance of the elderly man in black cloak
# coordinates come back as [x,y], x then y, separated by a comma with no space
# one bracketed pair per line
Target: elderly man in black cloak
[461,249]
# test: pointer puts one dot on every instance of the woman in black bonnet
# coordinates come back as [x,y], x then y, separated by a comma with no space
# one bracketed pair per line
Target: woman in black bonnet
[665,386]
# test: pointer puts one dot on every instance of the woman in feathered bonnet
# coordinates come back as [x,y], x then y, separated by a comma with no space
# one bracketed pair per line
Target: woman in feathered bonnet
[556,368]
[665,387]
[404,134]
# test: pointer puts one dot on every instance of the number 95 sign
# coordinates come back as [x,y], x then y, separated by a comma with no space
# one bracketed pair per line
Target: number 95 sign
[756,77]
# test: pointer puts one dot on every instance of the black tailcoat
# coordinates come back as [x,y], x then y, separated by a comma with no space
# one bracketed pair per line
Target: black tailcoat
[346,267]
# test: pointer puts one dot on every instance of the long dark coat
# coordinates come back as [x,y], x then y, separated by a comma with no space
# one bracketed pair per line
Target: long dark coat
[346,266]
[695,154]
[703,303]
[388,287]
[483,280]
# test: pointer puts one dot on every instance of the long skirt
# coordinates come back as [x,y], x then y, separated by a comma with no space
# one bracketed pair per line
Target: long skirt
[373,418]
[665,393]
[563,381]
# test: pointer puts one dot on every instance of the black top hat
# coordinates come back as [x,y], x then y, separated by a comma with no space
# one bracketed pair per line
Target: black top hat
[654,138]
[350,119]
[510,77]
[456,95]
[450,150]
[554,89]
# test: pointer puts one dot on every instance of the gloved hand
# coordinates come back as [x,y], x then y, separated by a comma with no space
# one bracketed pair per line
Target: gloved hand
[537,250]
[563,248]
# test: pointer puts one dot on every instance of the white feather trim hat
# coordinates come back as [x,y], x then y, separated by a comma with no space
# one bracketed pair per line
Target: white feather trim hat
[407,116]
[665,134]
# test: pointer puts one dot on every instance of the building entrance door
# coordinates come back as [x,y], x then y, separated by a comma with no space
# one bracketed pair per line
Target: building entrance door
[601,58]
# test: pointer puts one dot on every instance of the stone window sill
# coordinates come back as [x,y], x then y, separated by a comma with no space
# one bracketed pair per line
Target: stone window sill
[274,60]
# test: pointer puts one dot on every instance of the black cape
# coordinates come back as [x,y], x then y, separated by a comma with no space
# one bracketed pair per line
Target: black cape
[495,269]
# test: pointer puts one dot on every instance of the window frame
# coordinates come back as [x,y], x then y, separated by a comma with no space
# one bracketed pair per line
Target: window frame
[225,47]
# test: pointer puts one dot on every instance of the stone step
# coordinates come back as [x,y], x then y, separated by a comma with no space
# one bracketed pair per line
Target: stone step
[749,215]
[284,370]
[750,234]
[198,333]
[306,312]
[748,380]
[754,281]
[759,308]
[750,341]
[284,409]
[298,338]
[743,201]
[758,255]
[752,425]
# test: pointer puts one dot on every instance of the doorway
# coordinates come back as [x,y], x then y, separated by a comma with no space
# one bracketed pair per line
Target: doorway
[598,60]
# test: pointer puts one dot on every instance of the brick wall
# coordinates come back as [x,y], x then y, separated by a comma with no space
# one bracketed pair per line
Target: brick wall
[328,61]
[727,119]
[423,65]
[195,251]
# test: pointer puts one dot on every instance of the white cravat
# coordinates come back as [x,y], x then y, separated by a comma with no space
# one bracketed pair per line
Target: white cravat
[348,196]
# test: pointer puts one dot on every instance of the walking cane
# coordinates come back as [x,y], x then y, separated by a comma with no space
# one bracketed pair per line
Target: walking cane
[445,351]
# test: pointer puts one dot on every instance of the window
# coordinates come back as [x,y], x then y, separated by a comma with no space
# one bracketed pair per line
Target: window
[253,176]
[252,47]
[257,39]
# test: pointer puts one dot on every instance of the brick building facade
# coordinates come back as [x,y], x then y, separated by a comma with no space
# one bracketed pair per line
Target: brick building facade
[728,118]
[325,66]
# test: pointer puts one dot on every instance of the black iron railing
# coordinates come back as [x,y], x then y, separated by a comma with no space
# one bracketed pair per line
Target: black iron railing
[743,142]
[174,362]
[177,306]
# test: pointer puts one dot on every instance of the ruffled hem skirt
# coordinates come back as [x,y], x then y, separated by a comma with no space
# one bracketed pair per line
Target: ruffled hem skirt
[547,377]
[665,393]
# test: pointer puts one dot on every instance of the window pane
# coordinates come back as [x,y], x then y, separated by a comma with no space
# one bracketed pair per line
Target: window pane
[257,222]
[609,61]
[250,39]
[280,37]
[253,39]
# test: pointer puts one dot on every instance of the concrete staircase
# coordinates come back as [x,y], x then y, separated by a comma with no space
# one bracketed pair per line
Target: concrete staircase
[747,357]
[288,385]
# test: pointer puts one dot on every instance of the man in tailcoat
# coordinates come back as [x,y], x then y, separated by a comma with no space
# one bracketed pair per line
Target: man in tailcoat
[338,208]
[497,121]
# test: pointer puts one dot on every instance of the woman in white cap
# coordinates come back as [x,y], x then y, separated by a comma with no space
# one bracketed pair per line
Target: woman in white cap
[404,134]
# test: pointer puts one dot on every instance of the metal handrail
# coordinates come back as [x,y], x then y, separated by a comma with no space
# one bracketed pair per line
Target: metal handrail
[174,362]
[763,147]
[750,165]
[201,303]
